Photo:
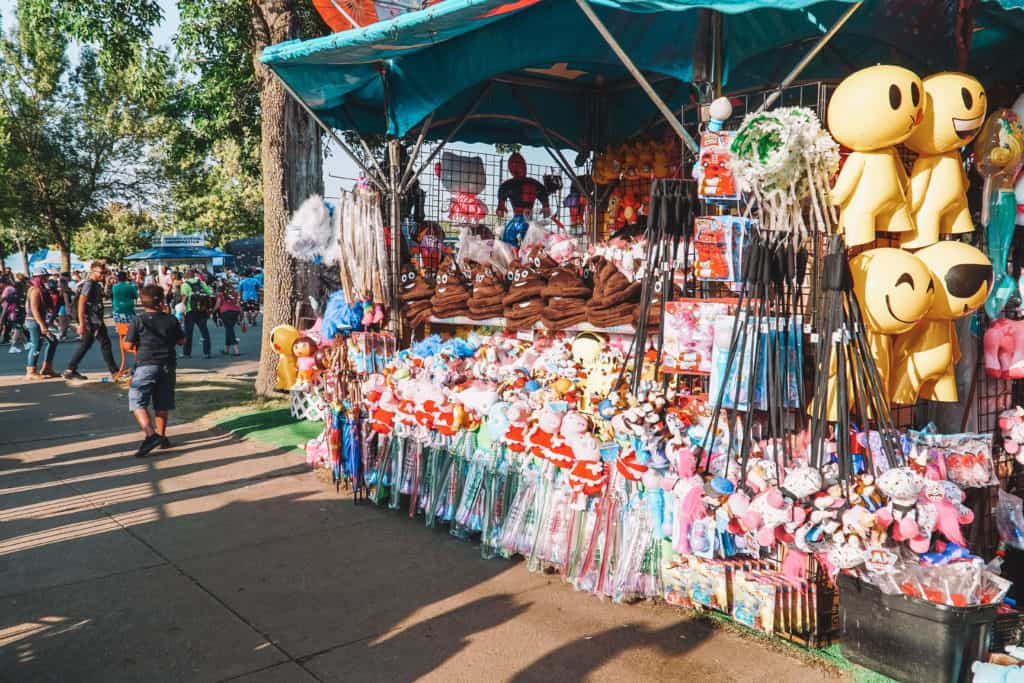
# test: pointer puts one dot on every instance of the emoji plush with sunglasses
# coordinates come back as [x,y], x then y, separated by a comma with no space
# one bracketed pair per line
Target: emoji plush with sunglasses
[871,112]
[954,111]
[895,290]
[924,358]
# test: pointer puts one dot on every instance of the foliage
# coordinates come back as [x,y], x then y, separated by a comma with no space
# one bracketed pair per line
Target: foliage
[115,233]
[118,27]
[507,148]
[218,194]
[75,137]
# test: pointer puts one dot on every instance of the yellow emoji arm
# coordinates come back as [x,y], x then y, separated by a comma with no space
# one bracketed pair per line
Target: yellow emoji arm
[848,178]
[920,177]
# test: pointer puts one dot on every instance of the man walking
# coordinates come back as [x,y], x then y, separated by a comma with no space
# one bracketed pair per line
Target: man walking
[198,299]
[91,326]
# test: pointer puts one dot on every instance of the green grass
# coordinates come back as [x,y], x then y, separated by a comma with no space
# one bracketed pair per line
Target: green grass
[275,427]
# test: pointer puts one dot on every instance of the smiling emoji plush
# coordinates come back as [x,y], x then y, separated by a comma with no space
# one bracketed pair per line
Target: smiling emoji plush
[870,112]
[954,113]
[895,291]
[924,358]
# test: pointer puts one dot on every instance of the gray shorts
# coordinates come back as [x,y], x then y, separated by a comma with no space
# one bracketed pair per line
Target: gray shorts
[152,383]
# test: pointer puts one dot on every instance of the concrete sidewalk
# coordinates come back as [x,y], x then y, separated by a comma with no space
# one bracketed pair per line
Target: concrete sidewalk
[228,560]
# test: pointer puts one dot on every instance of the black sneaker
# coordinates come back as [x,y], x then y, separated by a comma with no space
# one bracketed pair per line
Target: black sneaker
[165,443]
[73,374]
[147,445]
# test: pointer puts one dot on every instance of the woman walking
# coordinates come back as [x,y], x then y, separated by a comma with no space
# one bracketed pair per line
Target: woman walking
[226,307]
[38,304]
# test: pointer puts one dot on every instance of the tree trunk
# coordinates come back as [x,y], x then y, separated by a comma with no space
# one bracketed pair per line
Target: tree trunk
[292,170]
[24,259]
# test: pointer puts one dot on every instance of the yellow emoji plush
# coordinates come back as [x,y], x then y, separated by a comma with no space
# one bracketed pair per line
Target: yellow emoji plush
[281,338]
[924,358]
[894,289]
[954,112]
[870,112]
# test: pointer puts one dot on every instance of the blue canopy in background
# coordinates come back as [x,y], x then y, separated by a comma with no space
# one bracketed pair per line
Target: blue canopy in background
[522,61]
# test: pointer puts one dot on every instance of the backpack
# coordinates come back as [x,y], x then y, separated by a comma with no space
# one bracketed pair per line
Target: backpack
[201,301]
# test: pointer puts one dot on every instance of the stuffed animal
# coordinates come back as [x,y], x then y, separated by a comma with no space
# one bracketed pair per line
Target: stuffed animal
[465,178]
[894,289]
[521,191]
[281,339]
[924,358]
[872,111]
[304,351]
[1004,349]
[954,111]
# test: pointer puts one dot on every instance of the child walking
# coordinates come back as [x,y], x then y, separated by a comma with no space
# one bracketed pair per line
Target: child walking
[153,336]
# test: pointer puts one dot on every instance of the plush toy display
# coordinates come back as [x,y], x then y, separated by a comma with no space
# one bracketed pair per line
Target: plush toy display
[872,111]
[304,349]
[924,358]
[1004,349]
[998,153]
[282,338]
[521,191]
[465,178]
[954,110]
[895,290]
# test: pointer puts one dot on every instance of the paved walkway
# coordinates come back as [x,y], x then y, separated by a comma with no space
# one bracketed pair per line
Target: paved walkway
[228,560]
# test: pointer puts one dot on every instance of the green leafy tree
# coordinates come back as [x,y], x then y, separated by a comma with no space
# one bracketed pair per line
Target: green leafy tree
[77,137]
[115,233]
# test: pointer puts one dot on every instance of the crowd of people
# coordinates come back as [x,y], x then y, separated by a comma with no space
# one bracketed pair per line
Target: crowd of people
[39,312]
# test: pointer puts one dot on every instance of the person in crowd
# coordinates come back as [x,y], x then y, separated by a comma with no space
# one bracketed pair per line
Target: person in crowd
[123,296]
[198,299]
[147,279]
[91,327]
[12,308]
[228,309]
[67,301]
[249,288]
[39,303]
[153,336]
[167,282]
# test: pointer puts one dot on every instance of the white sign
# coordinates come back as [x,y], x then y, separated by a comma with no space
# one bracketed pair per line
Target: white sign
[218,260]
[179,241]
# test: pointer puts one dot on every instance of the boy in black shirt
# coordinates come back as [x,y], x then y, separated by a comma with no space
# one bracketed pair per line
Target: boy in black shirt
[153,336]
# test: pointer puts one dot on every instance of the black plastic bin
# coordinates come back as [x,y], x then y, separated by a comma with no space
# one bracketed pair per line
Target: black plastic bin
[909,639]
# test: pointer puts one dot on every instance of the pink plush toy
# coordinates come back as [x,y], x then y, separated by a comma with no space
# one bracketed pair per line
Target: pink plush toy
[1004,349]
[588,475]
[541,437]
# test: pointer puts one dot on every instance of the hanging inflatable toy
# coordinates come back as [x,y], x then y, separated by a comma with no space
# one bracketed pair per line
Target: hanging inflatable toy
[954,111]
[895,290]
[282,338]
[523,193]
[465,178]
[871,112]
[997,154]
[924,359]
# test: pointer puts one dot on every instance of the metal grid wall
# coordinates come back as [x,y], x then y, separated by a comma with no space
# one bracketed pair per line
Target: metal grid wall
[437,199]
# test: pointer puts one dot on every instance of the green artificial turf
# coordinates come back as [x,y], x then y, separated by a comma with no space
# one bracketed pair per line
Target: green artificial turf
[272,427]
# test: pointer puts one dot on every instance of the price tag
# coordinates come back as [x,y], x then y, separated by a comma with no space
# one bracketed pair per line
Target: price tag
[807,328]
[815,338]
[525,335]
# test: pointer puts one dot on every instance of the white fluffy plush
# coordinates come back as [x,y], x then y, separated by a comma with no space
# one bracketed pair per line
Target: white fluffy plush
[311,234]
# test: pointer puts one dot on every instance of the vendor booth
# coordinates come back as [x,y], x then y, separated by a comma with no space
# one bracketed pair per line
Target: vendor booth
[748,346]
[181,252]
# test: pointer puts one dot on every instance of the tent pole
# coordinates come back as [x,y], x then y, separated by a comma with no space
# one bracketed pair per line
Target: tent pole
[395,204]
[366,148]
[809,57]
[338,141]
[416,149]
[645,85]
[451,134]
[551,147]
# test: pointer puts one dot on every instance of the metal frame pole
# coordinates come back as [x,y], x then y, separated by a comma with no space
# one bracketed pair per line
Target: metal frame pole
[338,141]
[632,68]
[551,148]
[451,134]
[809,57]
[416,149]
[395,205]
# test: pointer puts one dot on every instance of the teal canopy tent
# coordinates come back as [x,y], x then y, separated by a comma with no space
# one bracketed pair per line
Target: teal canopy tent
[537,72]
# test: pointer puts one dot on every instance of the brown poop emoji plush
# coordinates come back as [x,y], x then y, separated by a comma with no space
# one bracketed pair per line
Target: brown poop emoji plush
[485,300]
[523,303]
[615,298]
[567,296]
[452,292]
[415,292]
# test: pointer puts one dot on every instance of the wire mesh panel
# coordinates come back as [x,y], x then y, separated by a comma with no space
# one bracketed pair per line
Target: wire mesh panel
[462,188]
